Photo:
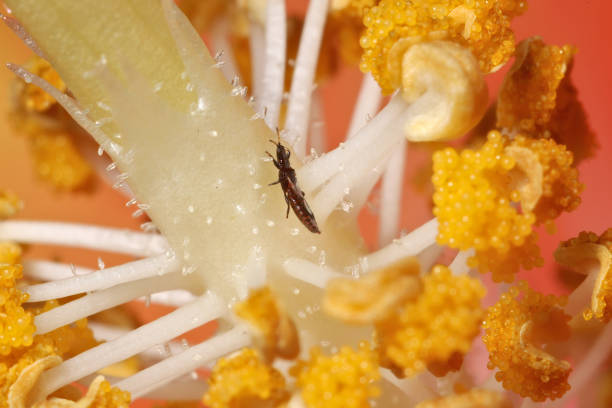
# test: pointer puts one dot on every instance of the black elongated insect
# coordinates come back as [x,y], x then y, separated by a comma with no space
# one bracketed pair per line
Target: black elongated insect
[294,196]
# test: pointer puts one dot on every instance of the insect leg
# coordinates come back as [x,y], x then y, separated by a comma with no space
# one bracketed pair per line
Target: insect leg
[276,182]
[273,159]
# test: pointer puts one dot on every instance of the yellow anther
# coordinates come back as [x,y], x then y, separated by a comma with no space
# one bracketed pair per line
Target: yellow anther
[529,92]
[375,296]
[244,380]
[550,169]
[344,380]
[538,98]
[29,96]
[99,395]
[474,195]
[515,328]
[58,161]
[435,330]
[483,27]
[589,253]
[16,324]
[10,253]
[273,330]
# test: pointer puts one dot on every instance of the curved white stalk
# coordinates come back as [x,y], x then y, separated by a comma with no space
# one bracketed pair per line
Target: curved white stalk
[258,59]
[161,330]
[274,70]
[409,245]
[391,196]
[176,298]
[103,279]
[341,185]
[121,241]
[105,299]
[22,34]
[162,373]
[317,124]
[365,143]
[107,332]
[459,265]
[580,298]
[298,110]
[309,272]
[368,102]
[40,270]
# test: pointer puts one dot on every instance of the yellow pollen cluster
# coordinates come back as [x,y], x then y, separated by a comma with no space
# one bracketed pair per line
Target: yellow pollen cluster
[561,188]
[64,342]
[538,97]
[515,327]
[436,329]
[10,253]
[528,95]
[36,114]
[274,332]
[344,380]
[578,253]
[483,26]
[244,380]
[346,25]
[16,325]
[9,204]
[58,161]
[31,97]
[475,398]
[475,205]
[105,396]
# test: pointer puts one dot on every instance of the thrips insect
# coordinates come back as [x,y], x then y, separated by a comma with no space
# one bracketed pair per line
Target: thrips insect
[294,196]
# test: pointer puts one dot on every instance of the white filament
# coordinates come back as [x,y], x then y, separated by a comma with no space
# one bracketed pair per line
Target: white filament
[368,102]
[103,279]
[391,196]
[274,70]
[174,367]
[409,245]
[105,299]
[298,111]
[159,331]
[121,241]
[306,271]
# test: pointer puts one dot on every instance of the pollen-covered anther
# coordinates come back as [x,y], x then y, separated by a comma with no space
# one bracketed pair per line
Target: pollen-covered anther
[30,97]
[346,379]
[443,82]
[538,98]
[584,253]
[10,253]
[10,204]
[435,330]
[375,296]
[99,395]
[245,380]
[475,398]
[483,28]
[272,329]
[58,161]
[475,196]
[16,324]
[516,327]
[551,184]
[528,95]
